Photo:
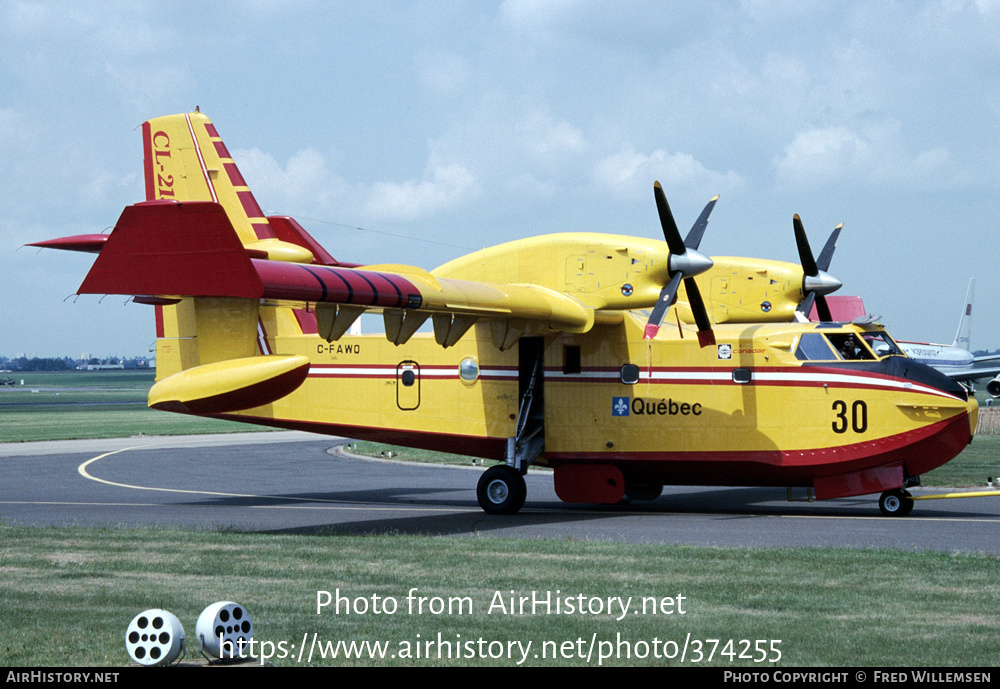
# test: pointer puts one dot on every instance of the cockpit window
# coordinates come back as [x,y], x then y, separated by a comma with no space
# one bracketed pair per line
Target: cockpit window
[814,347]
[850,347]
[845,346]
[881,344]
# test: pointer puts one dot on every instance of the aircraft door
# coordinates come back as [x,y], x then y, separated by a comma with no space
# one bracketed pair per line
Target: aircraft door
[408,385]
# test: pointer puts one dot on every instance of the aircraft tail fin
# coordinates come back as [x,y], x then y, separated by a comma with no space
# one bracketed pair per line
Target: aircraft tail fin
[963,338]
[184,159]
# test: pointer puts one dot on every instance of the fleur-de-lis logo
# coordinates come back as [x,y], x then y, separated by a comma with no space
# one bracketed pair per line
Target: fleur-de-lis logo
[619,406]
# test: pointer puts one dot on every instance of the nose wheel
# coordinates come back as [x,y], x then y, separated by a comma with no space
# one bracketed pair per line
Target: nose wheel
[501,490]
[895,503]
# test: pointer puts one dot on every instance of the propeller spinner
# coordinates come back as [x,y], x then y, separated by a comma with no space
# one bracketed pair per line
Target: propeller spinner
[685,262]
[816,282]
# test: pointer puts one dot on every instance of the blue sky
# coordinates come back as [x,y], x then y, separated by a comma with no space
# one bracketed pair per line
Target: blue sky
[440,127]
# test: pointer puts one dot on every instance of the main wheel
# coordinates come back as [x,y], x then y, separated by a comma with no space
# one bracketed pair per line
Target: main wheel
[895,503]
[643,491]
[501,490]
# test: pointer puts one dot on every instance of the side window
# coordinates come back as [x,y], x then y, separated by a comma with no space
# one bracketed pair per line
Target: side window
[814,347]
[630,374]
[571,359]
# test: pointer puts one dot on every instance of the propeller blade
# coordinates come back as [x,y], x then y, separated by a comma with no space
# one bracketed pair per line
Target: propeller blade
[670,231]
[705,334]
[816,282]
[806,305]
[805,253]
[823,309]
[827,254]
[698,229]
[685,263]
[667,295]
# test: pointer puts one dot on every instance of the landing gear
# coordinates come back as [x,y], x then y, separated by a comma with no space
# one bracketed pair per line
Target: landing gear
[501,490]
[895,503]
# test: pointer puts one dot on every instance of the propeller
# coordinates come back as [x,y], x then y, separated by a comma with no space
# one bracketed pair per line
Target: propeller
[685,262]
[816,282]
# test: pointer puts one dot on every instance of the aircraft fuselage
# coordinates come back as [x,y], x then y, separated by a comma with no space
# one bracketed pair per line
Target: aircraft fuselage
[758,408]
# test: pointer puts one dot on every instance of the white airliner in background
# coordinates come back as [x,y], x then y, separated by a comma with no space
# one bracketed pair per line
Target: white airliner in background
[956,360]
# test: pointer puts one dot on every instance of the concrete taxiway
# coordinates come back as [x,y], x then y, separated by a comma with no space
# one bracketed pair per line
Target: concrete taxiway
[298,482]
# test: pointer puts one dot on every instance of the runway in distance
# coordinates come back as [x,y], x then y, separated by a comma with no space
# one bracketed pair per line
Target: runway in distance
[623,363]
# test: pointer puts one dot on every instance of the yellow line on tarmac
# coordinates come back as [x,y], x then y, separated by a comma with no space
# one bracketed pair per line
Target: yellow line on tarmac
[975,494]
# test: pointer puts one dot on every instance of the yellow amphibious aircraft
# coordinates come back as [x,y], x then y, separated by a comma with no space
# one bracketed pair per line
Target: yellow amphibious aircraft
[544,351]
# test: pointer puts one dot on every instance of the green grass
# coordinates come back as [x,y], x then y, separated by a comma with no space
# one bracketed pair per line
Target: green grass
[980,460]
[68,594]
[92,404]
[409,454]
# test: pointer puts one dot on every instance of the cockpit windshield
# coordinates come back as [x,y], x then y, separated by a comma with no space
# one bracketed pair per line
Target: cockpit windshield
[866,346]
[849,346]
[881,344]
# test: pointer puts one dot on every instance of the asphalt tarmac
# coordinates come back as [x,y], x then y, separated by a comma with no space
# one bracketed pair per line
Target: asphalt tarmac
[288,482]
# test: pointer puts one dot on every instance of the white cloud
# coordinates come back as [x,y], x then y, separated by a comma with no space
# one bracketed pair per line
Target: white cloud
[300,184]
[306,185]
[442,186]
[822,156]
[630,174]
[836,155]
[543,135]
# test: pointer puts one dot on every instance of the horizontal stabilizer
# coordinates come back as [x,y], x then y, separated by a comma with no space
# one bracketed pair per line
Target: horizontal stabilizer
[86,243]
[232,385]
[170,248]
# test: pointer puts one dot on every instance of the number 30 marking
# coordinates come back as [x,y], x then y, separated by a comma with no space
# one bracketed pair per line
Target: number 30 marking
[859,416]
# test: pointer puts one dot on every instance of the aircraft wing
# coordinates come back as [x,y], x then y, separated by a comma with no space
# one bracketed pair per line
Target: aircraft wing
[983,367]
[172,249]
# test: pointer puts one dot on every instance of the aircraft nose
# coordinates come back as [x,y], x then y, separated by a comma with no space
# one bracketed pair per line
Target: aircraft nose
[908,369]
[973,415]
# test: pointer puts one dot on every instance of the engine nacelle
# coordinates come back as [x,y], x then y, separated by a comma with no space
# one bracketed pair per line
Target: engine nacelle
[993,387]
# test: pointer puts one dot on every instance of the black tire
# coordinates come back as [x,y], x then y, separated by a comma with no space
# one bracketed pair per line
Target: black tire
[642,491]
[895,503]
[501,490]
